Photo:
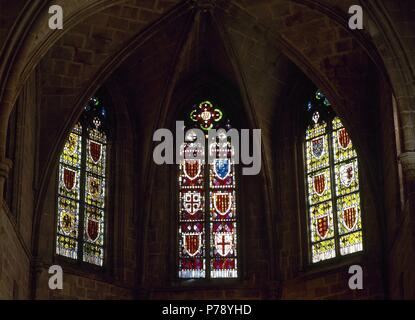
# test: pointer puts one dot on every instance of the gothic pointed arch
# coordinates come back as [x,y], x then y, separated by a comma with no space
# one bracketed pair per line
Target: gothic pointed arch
[208,227]
[334,217]
[81,201]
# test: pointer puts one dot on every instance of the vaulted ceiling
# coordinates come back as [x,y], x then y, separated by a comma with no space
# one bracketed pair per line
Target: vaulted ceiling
[149,48]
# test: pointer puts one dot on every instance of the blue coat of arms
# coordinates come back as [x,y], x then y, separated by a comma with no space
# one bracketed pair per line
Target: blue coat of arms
[222,168]
[318,147]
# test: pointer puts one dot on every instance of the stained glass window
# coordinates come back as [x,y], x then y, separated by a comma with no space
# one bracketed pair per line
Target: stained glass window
[207,202]
[82,188]
[332,178]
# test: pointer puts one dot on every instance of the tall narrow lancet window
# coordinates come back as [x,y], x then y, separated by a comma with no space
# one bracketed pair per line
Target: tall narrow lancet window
[207,200]
[332,178]
[81,205]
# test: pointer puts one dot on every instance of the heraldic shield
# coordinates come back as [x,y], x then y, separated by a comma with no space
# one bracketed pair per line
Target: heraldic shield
[319,183]
[192,168]
[222,168]
[350,218]
[94,186]
[317,147]
[67,222]
[224,243]
[347,174]
[222,202]
[343,138]
[69,178]
[95,151]
[323,226]
[93,229]
[72,143]
[192,243]
[192,202]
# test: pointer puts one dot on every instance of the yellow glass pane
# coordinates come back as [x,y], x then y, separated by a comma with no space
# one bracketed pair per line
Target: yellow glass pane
[351,243]
[323,251]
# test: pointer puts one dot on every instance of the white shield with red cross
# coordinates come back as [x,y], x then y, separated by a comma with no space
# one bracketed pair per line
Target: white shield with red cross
[224,243]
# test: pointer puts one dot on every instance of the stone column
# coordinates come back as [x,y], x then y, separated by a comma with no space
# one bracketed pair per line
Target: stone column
[407,160]
[5,166]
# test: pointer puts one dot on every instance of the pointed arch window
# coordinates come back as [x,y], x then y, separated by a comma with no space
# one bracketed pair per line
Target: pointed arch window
[207,201]
[81,205]
[333,188]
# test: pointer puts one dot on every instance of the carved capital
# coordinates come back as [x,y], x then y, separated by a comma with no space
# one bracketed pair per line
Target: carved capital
[407,160]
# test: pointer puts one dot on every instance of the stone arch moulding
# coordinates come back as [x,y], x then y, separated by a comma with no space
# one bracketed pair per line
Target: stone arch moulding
[98,80]
[313,73]
[118,208]
[24,48]
[27,48]
[399,69]
[42,45]
[246,104]
[222,91]
[252,120]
